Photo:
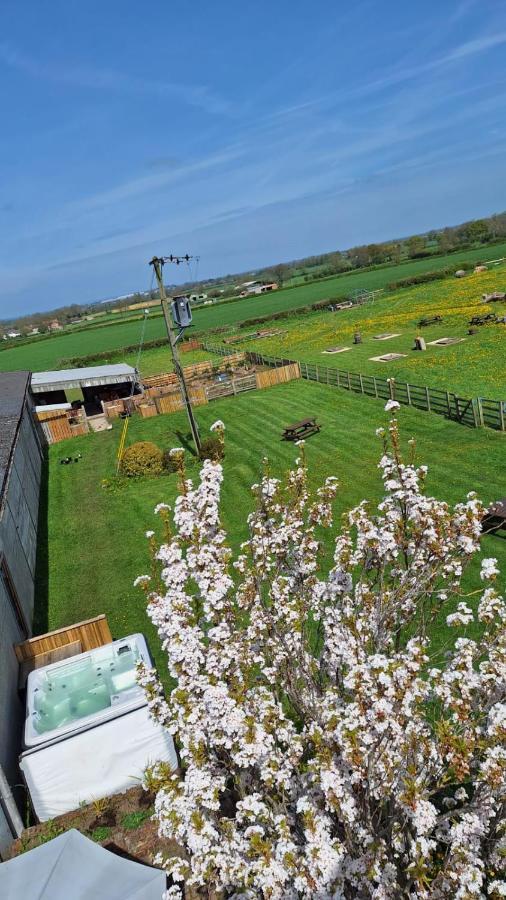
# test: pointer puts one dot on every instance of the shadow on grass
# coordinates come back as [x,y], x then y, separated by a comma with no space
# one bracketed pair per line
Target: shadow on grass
[187,442]
[41,611]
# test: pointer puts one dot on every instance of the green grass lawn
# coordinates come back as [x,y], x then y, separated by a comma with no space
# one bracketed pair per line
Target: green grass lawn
[95,544]
[159,359]
[45,354]
[473,368]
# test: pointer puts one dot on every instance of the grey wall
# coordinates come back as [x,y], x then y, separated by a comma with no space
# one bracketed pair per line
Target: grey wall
[18,544]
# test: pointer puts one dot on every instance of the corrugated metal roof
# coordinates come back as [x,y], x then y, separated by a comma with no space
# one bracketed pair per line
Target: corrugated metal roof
[13,386]
[86,377]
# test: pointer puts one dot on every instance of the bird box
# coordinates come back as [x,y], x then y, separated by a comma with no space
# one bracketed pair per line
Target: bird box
[181,311]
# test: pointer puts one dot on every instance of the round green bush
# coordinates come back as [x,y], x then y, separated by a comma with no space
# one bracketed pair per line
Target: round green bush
[142,458]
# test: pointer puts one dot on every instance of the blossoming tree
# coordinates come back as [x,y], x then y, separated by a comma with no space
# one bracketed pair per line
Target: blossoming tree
[327,751]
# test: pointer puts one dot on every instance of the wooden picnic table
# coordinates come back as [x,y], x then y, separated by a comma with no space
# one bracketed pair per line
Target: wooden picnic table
[495,516]
[301,429]
[482,320]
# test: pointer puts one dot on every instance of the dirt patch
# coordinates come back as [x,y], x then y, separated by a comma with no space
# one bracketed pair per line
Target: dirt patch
[124,821]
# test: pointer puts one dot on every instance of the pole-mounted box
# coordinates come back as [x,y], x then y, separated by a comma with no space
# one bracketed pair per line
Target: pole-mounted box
[181,311]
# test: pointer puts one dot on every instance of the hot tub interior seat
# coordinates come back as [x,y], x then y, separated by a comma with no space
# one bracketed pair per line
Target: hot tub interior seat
[84,686]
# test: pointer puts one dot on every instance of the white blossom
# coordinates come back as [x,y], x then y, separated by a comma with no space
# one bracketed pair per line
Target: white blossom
[488,569]
[160,507]
[329,748]
[142,580]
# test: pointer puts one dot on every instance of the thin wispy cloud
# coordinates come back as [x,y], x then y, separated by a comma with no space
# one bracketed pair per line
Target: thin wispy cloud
[325,111]
[98,79]
[406,73]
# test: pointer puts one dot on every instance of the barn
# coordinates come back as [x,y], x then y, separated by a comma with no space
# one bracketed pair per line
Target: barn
[94,384]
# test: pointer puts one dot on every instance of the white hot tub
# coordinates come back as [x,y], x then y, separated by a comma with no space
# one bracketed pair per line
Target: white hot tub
[88,731]
[84,690]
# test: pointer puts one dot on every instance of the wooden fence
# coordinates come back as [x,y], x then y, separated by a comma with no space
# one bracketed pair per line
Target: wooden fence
[475,412]
[279,375]
[154,383]
[186,346]
[167,401]
[172,402]
[58,425]
[232,386]
[91,633]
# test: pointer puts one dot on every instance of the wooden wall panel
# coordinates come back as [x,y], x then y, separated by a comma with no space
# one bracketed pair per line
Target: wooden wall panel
[91,633]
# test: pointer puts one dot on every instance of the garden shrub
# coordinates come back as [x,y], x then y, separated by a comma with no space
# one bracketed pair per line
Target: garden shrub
[142,458]
[212,448]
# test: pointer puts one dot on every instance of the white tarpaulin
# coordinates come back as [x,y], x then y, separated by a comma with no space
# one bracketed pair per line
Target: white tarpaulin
[71,867]
[106,759]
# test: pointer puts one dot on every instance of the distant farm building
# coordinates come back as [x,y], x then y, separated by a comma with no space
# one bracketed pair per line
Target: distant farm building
[55,326]
[12,334]
[257,287]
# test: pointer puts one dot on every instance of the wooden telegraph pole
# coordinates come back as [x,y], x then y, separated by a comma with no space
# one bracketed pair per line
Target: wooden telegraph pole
[158,263]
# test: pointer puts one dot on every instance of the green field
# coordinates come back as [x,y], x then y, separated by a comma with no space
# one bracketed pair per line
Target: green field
[473,368]
[159,359]
[94,545]
[46,353]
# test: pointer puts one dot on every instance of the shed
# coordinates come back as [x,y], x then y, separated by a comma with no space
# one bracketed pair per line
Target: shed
[97,383]
[72,866]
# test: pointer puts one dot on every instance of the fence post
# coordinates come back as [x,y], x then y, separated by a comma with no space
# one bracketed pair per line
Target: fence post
[316,368]
[349,381]
[501,414]
[375,386]
[391,387]
[476,419]
[448,404]
[338,379]
[427,397]
[408,393]
[361,383]
[480,411]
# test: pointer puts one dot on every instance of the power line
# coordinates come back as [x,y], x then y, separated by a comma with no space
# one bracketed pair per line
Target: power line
[158,263]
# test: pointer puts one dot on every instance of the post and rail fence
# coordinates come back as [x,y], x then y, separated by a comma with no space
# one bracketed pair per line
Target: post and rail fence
[475,412]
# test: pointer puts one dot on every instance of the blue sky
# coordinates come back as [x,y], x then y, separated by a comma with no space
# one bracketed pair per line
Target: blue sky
[246,133]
